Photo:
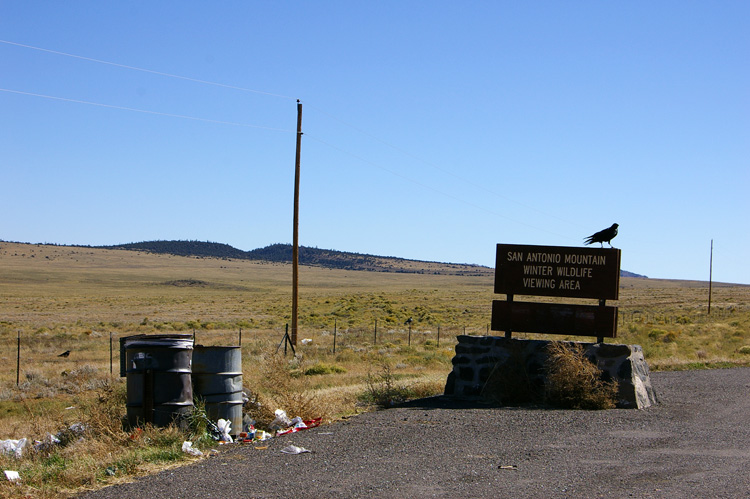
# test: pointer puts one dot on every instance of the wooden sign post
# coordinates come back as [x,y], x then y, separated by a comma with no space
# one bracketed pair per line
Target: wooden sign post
[558,271]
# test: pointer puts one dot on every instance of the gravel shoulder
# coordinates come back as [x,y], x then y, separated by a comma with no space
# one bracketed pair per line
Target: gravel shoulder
[694,443]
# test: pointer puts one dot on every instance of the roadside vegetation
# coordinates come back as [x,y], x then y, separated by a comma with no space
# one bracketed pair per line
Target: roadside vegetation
[57,299]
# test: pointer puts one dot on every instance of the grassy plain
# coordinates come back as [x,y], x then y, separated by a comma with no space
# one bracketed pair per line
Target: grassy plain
[57,298]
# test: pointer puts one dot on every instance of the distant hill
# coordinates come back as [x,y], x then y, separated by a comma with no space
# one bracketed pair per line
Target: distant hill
[625,273]
[282,253]
[185,248]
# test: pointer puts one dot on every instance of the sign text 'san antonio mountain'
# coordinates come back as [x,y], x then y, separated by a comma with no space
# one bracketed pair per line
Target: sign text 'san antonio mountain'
[557,271]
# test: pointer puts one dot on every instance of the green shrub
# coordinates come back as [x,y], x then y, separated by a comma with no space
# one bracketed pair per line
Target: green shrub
[657,333]
[670,337]
[321,368]
[383,390]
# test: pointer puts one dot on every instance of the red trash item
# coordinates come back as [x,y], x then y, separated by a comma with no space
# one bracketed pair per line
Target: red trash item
[308,424]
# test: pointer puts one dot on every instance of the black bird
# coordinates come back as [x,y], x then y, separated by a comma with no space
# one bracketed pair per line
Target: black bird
[408,321]
[603,236]
[65,353]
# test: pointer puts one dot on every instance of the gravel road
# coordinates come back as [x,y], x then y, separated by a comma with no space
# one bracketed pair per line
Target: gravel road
[694,443]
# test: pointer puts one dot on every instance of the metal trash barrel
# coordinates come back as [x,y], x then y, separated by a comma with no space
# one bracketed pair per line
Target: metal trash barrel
[217,380]
[157,367]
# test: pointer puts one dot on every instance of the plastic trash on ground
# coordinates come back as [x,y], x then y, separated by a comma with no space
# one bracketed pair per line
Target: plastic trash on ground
[297,425]
[306,341]
[248,435]
[77,428]
[262,436]
[187,448]
[12,447]
[293,449]
[47,443]
[12,476]
[281,420]
[225,426]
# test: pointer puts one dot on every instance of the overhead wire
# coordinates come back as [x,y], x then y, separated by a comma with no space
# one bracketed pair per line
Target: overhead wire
[271,94]
[136,68]
[159,113]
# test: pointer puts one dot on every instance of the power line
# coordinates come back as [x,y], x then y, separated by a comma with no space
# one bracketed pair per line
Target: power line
[158,113]
[243,89]
[144,70]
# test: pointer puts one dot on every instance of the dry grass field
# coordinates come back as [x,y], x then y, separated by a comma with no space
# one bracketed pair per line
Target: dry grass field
[57,298]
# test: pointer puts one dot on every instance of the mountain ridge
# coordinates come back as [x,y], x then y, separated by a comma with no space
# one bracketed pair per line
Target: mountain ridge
[282,253]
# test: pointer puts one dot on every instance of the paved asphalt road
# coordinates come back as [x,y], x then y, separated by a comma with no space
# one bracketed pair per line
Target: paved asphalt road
[694,443]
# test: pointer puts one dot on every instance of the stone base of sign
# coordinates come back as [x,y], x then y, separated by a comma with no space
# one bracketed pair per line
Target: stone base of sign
[511,371]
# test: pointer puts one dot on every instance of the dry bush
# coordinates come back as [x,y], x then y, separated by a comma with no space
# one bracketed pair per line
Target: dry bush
[383,390]
[283,386]
[574,382]
[104,415]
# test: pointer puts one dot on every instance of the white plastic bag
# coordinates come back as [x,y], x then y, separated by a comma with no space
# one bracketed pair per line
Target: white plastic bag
[12,447]
[298,423]
[281,420]
[187,448]
[293,449]
[225,426]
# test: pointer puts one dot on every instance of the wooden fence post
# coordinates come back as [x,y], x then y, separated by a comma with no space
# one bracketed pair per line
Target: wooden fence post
[18,361]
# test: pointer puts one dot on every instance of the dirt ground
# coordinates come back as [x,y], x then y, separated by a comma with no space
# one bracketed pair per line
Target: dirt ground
[694,443]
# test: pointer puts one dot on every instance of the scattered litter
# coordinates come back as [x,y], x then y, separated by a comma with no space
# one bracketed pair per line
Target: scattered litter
[281,420]
[77,428]
[253,435]
[508,467]
[297,424]
[12,476]
[248,423]
[306,341]
[225,426]
[262,448]
[47,443]
[111,470]
[187,448]
[69,408]
[293,449]
[262,436]
[12,447]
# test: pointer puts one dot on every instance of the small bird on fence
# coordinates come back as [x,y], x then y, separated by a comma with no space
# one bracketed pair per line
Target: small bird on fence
[408,321]
[65,354]
[603,236]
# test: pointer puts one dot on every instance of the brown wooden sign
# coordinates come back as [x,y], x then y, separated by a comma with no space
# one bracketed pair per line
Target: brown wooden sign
[558,271]
[554,318]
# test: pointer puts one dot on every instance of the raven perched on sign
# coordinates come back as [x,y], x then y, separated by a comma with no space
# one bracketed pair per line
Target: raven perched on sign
[603,236]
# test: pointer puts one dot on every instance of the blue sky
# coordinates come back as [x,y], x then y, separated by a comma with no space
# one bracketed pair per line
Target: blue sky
[432,130]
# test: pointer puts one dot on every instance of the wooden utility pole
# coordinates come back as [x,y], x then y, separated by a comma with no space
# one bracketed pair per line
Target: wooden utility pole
[295,237]
[710,275]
